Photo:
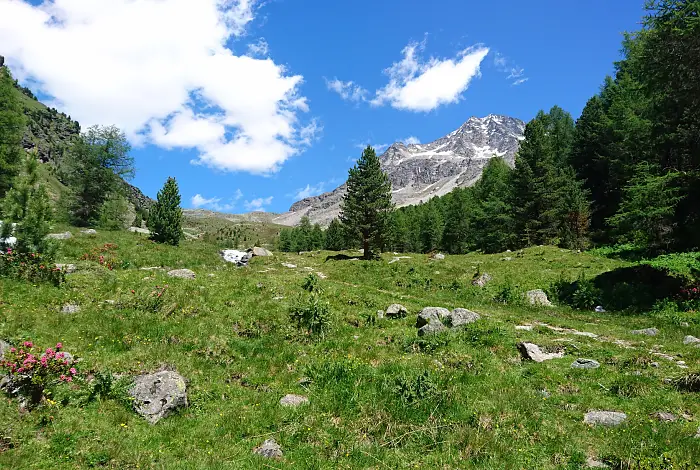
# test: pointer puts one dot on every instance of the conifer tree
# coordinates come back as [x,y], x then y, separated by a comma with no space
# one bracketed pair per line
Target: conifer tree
[492,220]
[165,217]
[12,124]
[367,205]
[335,236]
[457,234]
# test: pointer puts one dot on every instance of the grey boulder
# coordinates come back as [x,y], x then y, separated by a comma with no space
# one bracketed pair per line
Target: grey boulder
[604,418]
[534,353]
[538,298]
[89,231]
[432,328]
[182,274]
[431,314]
[585,364]
[461,316]
[292,400]
[691,340]
[438,256]
[158,395]
[396,311]
[482,280]
[269,449]
[646,332]
[60,236]
[258,251]
[143,231]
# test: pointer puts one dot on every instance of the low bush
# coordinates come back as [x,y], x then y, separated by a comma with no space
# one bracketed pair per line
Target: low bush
[105,255]
[32,267]
[312,315]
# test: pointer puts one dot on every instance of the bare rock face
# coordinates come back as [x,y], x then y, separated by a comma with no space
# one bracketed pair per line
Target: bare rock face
[158,395]
[269,449]
[604,418]
[419,172]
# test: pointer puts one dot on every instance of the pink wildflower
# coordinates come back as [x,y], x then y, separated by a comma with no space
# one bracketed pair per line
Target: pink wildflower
[73,371]
[28,344]
[60,355]
[62,377]
[13,350]
[59,345]
[69,379]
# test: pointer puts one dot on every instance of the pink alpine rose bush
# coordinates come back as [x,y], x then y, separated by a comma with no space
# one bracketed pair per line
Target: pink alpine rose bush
[32,267]
[31,372]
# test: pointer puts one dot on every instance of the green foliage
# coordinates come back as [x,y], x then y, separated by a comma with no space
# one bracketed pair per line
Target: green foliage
[312,315]
[12,124]
[312,284]
[336,238]
[165,217]
[581,294]
[366,207]
[413,388]
[30,267]
[303,237]
[113,213]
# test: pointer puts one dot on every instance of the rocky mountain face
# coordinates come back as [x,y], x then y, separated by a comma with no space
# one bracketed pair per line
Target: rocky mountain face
[419,172]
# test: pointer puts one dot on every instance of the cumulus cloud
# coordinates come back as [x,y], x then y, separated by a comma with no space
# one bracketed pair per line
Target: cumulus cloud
[259,48]
[348,91]
[200,202]
[161,71]
[258,204]
[415,85]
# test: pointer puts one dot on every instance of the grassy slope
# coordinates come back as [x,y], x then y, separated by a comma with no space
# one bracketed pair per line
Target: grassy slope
[231,339]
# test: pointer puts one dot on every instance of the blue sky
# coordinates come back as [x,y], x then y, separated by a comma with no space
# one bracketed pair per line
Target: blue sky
[250,105]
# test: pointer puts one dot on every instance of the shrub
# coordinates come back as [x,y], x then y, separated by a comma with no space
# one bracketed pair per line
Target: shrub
[146,300]
[113,213]
[32,267]
[581,294]
[104,255]
[31,372]
[415,388]
[508,294]
[312,315]
[312,284]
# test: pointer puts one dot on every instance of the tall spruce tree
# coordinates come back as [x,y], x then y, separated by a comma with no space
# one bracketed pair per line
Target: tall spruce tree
[457,236]
[335,236]
[367,205]
[165,217]
[12,125]
[492,219]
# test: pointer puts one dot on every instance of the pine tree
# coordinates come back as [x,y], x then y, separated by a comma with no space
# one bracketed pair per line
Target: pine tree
[457,234]
[335,236]
[431,227]
[574,213]
[492,219]
[27,204]
[367,205]
[165,217]
[12,124]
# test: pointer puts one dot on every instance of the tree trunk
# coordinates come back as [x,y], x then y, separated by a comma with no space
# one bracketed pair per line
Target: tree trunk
[365,244]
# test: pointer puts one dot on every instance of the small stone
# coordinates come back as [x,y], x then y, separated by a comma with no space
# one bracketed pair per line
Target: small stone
[482,280]
[158,395]
[604,418]
[645,331]
[594,463]
[269,449]
[67,268]
[654,364]
[523,327]
[507,258]
[534,353]
[70,308]
[396,311]
[685,324]
[89,231]
[544,393]
[599,309]
[289,265]
[429,314]
[60,236]
[321,275]
[691,340]
[461,316]
[664,416]
[585,364]
[538,298]
[293,400]
[143,231]
[432,328]
[182,274]
[438,256]
[380,314]
[4,347]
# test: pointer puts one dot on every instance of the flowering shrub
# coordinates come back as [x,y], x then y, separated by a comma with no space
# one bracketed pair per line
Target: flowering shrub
[33,267]
[104,255]
[31,372]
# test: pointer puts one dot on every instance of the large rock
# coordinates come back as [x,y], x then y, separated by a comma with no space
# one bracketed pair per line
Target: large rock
[691,340]
[239,258]
[461,316]
[646,332]
[257,251]
[89,231]
[432,328]
[585,364]
[538,298]
[430,314]
[158,395]
[182,274]
[534,353]
[269,449]
[604,418]
[143,231]
[60,236]
[292,400]
[482,280]
[396,311]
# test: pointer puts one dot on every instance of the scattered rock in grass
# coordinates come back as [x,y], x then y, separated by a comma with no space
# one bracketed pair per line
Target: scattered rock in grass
[157,395]
[321,275]
[581,363]
[279,297]
[182,274]
[4,347]
[684,324]
[599,309]
[523,327]
[60,236]
[258,251]
[289,265]
[482,280]
[239,258]
[438,256]
[67,268]
[594,463]
[534,353]
[152,268]
[544,393]
[432,328]
[70,308]
[380,314]
[654,364]
[664,416]
[293,400]
[691,340]
[646,332]
[431,314]
[143,231]
[507,258]
[89,231]
[396,311]
[697,435]
[398,258]
[538,298]
[269,449]
[461,316]
[304,381]
[604,418]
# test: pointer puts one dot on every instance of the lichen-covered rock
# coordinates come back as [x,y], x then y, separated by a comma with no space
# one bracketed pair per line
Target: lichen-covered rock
[292,400]
[158,395]
[182,274]
[538,298]
[646,332]
[396,311]
[432,328]
[429,314]
[269,449]
[585,364]
[534,353]
[460,317]
[691,340]
[604,418]
[482,280]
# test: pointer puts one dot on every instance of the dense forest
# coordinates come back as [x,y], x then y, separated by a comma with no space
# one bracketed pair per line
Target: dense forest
[627,171]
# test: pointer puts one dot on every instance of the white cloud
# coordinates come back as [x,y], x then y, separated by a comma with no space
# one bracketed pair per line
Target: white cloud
[348,91]
[258,204]
[378,148]
[515,72]
[259,48]
[309,191]
[200,202]
[412,140]
[161,71]
[520,81]
[417,86]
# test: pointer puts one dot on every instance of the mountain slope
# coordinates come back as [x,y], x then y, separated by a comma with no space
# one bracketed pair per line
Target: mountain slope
[420,172]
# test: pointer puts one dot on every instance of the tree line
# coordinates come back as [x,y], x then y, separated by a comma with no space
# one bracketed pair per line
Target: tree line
[627,171]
